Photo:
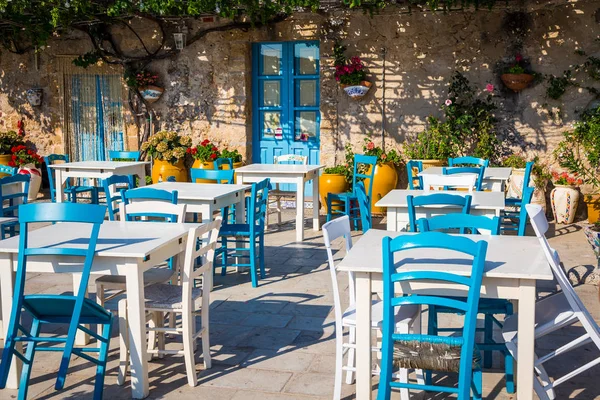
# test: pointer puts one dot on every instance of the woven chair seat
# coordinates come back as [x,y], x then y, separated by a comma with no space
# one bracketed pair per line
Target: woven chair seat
[430,356]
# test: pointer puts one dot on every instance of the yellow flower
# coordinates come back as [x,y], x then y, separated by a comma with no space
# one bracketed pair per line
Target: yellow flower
[145,146]
[171,135]
[167,155]
[185,141]
[162,147]
[179,152]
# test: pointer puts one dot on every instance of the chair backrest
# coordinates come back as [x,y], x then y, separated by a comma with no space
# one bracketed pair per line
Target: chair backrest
[540,226]
[332,230]
[50,160]
[219,162]
[153,203]
[202,248]
[415,182]
[113,186]
[436,182]
[475,223]
[479,171]
[436,199]
[525,199]
[366,164]
[215,175]
[468,160]
[527,174]
[124,155]
[6,169]
[393,274]
[7,199]
[291,158]
[257,205]
[364,204]
[145,193]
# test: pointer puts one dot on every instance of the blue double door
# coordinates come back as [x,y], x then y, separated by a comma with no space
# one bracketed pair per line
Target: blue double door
[285,109]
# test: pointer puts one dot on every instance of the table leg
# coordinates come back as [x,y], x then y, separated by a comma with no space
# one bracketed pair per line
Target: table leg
[136,314]
[81,338]
[7,283]
[142,176]
[392,219]
[58,182]
[316,205]
[526,335]
[299,209]
[363,335]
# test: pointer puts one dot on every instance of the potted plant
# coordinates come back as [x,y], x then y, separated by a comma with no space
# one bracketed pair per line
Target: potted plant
[579,153]
[168,151]
[564,197]
[204,155]
[350,74]
[386,176]
[9,140]
[145,83]
[28,162]
[515,76]
[539,176]
[433,146]
[234,155]
[337,179]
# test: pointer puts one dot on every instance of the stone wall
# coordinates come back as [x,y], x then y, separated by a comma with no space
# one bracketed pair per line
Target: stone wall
[208,85]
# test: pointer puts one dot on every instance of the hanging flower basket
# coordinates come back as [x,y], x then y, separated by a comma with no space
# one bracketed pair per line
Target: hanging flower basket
[357,92]
[517,82]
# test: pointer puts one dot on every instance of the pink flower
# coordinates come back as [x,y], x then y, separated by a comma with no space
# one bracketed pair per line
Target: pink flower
[518,58]
[448,102]
[489,87]
[370,146]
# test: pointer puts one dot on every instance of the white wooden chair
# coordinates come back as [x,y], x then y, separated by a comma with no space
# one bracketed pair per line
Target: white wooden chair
[275,194]
[187,300]
[408,319]
[553,313]
[438,182]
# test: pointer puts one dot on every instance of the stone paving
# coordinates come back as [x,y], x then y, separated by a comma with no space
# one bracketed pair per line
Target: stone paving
[276,342]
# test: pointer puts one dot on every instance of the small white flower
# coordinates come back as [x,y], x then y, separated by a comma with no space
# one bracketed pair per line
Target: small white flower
[448,102]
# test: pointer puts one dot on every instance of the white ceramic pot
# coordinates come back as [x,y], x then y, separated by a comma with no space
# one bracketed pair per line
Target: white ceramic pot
[34,96]
[357,91]
[515,188]
[151,93]
[564,201]
[35,179]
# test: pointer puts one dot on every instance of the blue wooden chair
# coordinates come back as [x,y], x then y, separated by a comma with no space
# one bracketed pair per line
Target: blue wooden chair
[517,220]
[488,307]
[480,171]
[214,175]
[414,182]
[437,199]
[361,163]
[10,202]
[113,186]
[8,170]
[431,352]
[72,191]
[516,202]
[253,232]
[115,155]
[219,162]
[468,160]
[364,204]
[74,310]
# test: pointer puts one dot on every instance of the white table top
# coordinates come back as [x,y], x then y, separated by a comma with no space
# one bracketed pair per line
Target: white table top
[481,200]
[278,168]
[198,191]
[491,173]
[514,257]
[116,238]
[108,165]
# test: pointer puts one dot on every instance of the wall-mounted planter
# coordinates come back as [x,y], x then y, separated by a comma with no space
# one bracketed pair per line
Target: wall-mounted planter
[357,92]
[34,96]
[517,82]
[151,93]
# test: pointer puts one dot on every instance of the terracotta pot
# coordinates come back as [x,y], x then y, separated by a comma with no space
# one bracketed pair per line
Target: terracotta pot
[384,181]
[516,82]
[515,188]
[357,92]
[162,170]
[151,93]
[592,201]
[564,201]
[35,179]
[332,183]
[204,165]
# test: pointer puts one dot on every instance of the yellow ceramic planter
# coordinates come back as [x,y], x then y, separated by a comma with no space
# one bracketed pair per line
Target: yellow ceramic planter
[332,183]
[210,165]
[4,160]
[384,181]
[162,170]
[592,201]
[432,163]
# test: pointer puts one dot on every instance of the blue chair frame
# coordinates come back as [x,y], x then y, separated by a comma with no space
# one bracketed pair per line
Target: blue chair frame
[220,176]
[124,155]
[509,217]
[435,199]
[71,190]
[460,221]
[480,171]
[145,193]
[410,167]
[516,202]
[348,198]
[14,200]
[74,310]
[253,232]
[112,201]
[6,169]
[219,162]
[364,204]
[468,377]
[468,160]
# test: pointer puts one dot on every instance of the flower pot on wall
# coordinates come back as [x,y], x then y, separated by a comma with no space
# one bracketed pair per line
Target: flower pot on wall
[384,181]
[34,96]
[564,201]
[592,201]
[151,93]
[162,170]
[332,183]
[35,179]
[517,82]
[357,92]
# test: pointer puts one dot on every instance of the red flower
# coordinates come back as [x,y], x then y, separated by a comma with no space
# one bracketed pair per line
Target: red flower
[189,151]
[13,157]
[213,156]
[214,148]
[370,146]
[194,150]
[30,152]
[12,164]
[205,142]
[518,58]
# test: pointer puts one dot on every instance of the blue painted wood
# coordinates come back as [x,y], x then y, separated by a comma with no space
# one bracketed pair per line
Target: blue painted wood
[480,171]
[414,183]
[5,169]
[10,202]
[516,202]
[467,377]
[364,204]
[460,221]
[252,232]
[70,190]
[468,160]
[124,155]
[214,175]
[124,183]
[219,162]
[150,194]
[517,220]
[53,309]
[435,199]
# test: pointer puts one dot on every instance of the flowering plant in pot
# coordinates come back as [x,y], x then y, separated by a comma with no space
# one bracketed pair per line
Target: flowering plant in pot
[28,162]
[517,75]
[234,155]
[204,153]
[337,179]
[168,150]
[564,197]
[350,74]
[386,175]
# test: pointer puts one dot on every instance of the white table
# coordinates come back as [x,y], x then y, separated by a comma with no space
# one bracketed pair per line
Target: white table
[95,170]
[287,173]
[125,249]
[513,264]
[494,178]
[483,203]
[206,198]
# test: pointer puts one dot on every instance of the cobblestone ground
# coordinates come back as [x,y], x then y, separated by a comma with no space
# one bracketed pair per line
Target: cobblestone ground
[277,341]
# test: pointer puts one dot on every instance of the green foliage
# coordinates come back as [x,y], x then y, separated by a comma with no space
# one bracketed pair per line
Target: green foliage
[8,140]
[557,85]
[87,59]
[516,69]
[337,170]
[514,161]
[392,156]
[233,154]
